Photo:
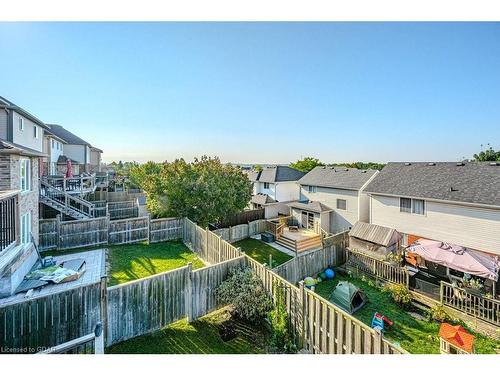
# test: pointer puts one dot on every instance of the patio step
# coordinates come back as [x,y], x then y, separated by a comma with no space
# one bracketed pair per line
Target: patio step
[286,242]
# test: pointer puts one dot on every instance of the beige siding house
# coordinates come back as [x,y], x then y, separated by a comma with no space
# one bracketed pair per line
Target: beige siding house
[451,202]
[340,194]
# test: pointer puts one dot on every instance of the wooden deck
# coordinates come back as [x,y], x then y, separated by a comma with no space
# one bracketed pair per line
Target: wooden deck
[299,241]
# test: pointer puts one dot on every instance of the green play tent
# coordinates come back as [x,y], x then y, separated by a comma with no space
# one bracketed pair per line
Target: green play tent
[348,297]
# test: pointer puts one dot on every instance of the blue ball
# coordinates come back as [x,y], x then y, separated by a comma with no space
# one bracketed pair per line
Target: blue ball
[329,273]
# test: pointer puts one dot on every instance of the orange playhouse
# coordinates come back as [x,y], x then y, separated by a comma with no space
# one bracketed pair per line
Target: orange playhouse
[455,340]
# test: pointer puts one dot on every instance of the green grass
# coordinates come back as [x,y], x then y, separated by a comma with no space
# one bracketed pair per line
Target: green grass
[415,336]
[198,337]
[260,251]
[135,261]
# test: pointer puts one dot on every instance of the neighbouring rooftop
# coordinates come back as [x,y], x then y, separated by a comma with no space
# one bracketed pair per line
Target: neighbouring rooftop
[338,177]
[468,182]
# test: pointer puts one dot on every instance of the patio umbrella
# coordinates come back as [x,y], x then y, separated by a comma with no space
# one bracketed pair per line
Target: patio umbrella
[69,168]
[458,258]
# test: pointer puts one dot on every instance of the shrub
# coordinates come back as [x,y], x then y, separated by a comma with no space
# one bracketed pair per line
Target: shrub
[245,292]
[438,313]
[281,339]
[399,293]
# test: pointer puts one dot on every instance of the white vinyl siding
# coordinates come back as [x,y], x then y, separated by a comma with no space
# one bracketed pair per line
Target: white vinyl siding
[474,227]
[25,175]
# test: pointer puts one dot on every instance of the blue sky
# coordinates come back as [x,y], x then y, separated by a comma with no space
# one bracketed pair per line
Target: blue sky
[261,92]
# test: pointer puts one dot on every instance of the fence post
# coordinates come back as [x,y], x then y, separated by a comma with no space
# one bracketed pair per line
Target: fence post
[303,309]
[99,339]
[189,293]
[441,292]
[58,230]
[104,305]
[108,219]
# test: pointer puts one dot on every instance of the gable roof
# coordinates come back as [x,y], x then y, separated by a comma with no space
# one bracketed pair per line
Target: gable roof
[374,233]
[280,173]
[67,136]
[252,174]
[457,336]
[335,177]
[469,182]
[262,199]
[9,105]
[310,206]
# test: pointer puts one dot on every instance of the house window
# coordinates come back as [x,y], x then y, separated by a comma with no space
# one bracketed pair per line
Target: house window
[415,206]
[418,206]
[21,123]
[25,175]
[52,143]
[26,228]
[266,185]
[405,205]
[35,132]
[341,204]
[312,189]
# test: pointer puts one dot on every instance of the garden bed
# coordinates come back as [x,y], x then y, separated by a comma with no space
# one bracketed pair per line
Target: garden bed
[216,333]
[411,329]
[260,251]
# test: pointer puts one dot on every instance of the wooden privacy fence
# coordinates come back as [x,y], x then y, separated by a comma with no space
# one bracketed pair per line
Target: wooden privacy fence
[377,268]
[308,264]
[487,309]
[40,323]
[243,218]
[208,245]
[55,234]
[242,231]
[146,305]
[318,325]
[123,210]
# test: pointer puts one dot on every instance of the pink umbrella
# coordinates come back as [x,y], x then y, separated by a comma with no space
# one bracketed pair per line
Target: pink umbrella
[458,258]
[69,168]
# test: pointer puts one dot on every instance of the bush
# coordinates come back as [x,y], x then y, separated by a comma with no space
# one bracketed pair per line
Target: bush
[438,313]
[245,292]
[399,293]
[281,339]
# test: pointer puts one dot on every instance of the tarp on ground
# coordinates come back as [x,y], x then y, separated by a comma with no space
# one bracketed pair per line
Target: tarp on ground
[458,258]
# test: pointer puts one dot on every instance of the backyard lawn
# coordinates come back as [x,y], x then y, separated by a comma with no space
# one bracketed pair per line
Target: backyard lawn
[260,251]
[135,261]
[199,337]
[415,336]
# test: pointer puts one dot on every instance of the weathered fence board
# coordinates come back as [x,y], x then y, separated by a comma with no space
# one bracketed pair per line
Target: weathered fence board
[308,264]
[126,231]
[243,218]
[82,233]
[48,234]
[39,323]
[146,305]
[165,229]
[123,210]
[242,231]
[204,283]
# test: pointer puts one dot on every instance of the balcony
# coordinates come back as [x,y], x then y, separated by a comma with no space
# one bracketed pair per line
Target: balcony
[8,219]
[73,185]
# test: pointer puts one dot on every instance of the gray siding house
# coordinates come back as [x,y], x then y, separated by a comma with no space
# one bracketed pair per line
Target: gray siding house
[21,145]
[333,198]
[452,202]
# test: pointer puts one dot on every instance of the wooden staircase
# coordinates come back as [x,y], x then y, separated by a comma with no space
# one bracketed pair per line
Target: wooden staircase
[65,203]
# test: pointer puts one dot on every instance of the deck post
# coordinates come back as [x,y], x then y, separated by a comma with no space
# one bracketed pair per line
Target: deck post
[441,292]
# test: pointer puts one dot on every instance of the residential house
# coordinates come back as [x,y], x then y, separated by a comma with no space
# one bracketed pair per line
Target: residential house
[54,147]
[332,198]
[21,146]
[86,157]
[275,184]
[457,203]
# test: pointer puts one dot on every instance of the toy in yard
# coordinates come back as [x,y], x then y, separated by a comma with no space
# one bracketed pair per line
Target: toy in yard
[309,282]
[348,297]
[329,273]
[379,321]
[322,275]
[455,340]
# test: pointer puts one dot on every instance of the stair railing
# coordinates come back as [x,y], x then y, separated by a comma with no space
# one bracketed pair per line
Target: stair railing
[72,202]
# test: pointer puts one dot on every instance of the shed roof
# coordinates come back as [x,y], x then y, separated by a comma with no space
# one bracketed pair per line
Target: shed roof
[310,206]
[262,199]
[374,233]
[335,177]
[469,182]
[457,336]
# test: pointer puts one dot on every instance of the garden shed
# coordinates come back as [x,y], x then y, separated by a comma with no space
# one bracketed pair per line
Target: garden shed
[375,240]
[348,297]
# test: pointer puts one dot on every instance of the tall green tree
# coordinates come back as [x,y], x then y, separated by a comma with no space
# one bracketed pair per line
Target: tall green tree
[205,190]
[487,155]
[361,165]
[306,164]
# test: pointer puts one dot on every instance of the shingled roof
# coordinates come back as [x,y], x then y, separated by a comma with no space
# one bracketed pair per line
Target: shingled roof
[67,136]
[310,206]
[262,199]
[469,182]
[280,173]
[9,105]
[335,177]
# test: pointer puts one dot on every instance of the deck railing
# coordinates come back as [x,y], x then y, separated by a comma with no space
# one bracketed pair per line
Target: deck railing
[377,268]
[479,306]
[8,226]
[76,184]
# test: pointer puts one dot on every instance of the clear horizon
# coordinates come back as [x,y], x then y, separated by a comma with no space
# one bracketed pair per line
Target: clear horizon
[257,93]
